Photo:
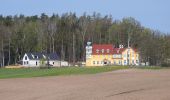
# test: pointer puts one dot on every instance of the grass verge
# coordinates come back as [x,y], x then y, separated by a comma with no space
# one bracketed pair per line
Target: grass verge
[36,72]
[150,67]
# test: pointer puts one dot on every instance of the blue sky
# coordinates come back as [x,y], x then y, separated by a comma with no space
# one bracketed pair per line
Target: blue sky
[154,14]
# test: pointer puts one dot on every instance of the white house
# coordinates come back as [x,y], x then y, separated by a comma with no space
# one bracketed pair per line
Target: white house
[38,59]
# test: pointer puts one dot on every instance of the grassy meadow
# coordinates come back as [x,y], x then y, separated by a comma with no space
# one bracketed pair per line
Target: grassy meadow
[37,72]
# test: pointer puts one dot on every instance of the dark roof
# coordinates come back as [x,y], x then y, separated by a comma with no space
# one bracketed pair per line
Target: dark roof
[38,56]
[53,56]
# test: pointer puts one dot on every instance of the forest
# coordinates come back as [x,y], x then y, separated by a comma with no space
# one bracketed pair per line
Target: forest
[67,35]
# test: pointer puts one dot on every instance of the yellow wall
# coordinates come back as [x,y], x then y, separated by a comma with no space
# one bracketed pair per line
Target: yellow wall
[133,56]
[99,60]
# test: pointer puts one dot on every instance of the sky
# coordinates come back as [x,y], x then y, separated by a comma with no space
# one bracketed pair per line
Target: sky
[154,14]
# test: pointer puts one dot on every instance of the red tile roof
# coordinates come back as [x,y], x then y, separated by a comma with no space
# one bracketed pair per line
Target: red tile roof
[118,50]
[99,49]
[106,49]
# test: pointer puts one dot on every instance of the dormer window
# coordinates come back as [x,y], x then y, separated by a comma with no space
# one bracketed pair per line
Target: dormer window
[108,50]
[97,51]
[36,57]
[102,50]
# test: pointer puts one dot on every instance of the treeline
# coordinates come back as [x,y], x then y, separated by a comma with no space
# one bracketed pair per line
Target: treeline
[67,35]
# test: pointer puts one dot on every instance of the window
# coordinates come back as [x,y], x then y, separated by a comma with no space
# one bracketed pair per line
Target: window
[119,56]
[25,57]
[36,63]
[137,61]
[132,61]
[120,62]
[88,50]
[94,62]
[102,50]
[36,57]
[124,61]
[108,50]
[27,62]
[97,50]
[114,62]
[114,56]
[97,62]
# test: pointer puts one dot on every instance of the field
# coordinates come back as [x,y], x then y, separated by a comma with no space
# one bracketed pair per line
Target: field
[36,72]
[125,84]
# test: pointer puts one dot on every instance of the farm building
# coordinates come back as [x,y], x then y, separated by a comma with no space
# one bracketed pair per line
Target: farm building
[38,59]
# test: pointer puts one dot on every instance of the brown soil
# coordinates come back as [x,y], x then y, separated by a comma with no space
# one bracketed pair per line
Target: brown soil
[131,84]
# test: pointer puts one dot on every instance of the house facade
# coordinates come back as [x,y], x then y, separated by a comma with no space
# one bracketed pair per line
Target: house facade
[38,59]
[107,54]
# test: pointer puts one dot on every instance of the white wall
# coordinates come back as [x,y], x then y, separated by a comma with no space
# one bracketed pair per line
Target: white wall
[34,63]
[64,63]
[25,61]
[54,63]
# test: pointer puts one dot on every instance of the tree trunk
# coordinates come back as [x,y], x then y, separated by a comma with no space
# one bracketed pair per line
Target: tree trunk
[9,53]
[3,58]
[83,48]
[100,38]
[73,50]
[53,43]
[62,51]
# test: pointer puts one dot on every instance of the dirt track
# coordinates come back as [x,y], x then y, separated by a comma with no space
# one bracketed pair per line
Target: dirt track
[129,84]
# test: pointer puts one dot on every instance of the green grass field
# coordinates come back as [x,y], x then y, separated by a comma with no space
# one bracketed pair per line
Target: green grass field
[36,72]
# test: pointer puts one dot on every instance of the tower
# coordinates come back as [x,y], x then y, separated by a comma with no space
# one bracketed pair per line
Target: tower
[88,50]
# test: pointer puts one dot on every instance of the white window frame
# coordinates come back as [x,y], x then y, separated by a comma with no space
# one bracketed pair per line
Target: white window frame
[97,50]
[102,50]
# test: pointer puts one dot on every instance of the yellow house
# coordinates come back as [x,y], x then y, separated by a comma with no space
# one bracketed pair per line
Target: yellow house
[107,54]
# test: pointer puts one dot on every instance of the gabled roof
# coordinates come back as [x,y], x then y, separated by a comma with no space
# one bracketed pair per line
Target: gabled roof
[38,56]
